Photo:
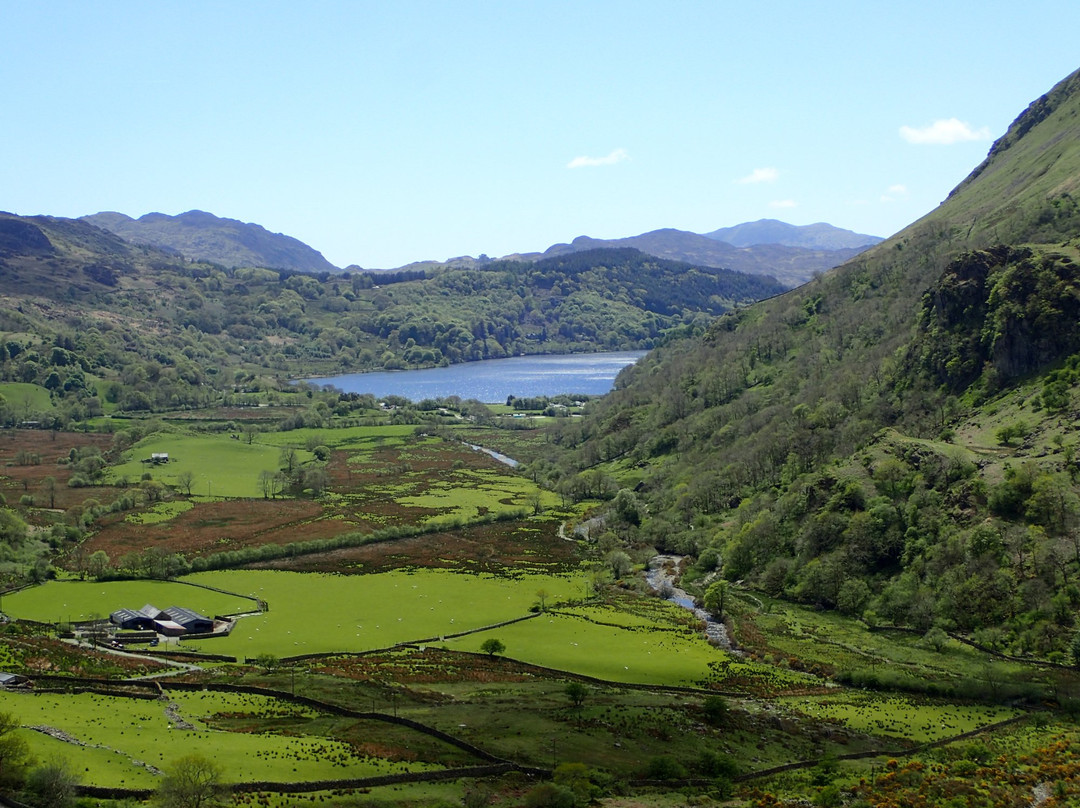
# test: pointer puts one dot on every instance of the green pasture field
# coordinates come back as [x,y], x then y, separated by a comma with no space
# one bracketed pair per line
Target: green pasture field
[470,493]
[62,601]
[316,613]
[364,439]
[222,467]
[26,398]
[160,512]
[119,733]
[627,648]
[911,719]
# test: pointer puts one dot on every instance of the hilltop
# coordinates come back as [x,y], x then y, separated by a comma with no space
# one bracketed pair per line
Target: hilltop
[818,236]
[770,248]
[791,265]
[200,236]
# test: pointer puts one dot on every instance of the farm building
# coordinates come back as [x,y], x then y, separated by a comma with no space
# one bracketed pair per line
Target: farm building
[133,620]
[172,622]
[192,621]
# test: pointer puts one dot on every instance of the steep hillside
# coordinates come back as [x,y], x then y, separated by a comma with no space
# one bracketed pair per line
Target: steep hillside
[820,236]
[789,265]
[201,236]
[892,438]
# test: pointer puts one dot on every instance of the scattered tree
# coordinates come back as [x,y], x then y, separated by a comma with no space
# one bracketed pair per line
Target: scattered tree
[98,563]
[716,598]
[14,753]
[492,646]
[185,479]
[53,784]
[619,563]
[268,662]
[288,459]
[1010,432]
[577,693]
[715,710]
[49,485]
[935,638]
[191,782]
[578,778]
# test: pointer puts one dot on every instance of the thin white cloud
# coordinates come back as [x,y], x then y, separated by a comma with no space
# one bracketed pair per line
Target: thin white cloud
[943,132]
[893,192]
[759,175]
[784,203]
[616,156]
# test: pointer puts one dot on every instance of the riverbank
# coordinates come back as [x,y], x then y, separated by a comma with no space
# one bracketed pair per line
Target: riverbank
[662,575]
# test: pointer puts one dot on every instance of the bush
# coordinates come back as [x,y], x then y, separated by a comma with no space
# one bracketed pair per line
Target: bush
[550,795]
[717,764]
[664,767]
[715,710]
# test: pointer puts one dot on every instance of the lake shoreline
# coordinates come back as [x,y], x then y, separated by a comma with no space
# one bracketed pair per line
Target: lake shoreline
[492,381]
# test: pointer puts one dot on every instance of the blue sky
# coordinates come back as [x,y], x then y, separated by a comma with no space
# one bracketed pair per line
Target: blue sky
[387,132]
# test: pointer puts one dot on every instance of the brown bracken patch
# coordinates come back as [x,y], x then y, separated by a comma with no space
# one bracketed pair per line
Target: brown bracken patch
[498,547]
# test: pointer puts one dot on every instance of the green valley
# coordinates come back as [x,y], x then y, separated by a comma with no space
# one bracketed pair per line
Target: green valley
[818,549]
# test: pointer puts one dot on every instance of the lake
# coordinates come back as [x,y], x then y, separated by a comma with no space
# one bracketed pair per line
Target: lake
[493,380]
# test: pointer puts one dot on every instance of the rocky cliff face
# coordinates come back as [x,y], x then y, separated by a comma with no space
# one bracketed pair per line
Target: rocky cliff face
[1004,312]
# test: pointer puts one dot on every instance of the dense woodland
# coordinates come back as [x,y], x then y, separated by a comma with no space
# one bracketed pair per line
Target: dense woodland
[895,440]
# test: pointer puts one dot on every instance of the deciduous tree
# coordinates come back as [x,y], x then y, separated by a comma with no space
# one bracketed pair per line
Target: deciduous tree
[191,782]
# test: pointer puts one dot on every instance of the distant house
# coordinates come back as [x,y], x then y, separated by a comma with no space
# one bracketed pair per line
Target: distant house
[159,457]
[171,622]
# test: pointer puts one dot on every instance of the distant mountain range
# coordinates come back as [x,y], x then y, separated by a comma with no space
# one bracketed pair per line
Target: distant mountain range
[201,236]
[819,236]
[788,253]
[791,254]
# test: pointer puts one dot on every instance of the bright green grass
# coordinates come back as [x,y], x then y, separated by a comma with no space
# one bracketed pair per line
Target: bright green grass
[468,494]
[311,613]
[611,645]
[222,467]
[133,730]
[61,601]
[161,512]
[916,720]
[26,399]
[353,437]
